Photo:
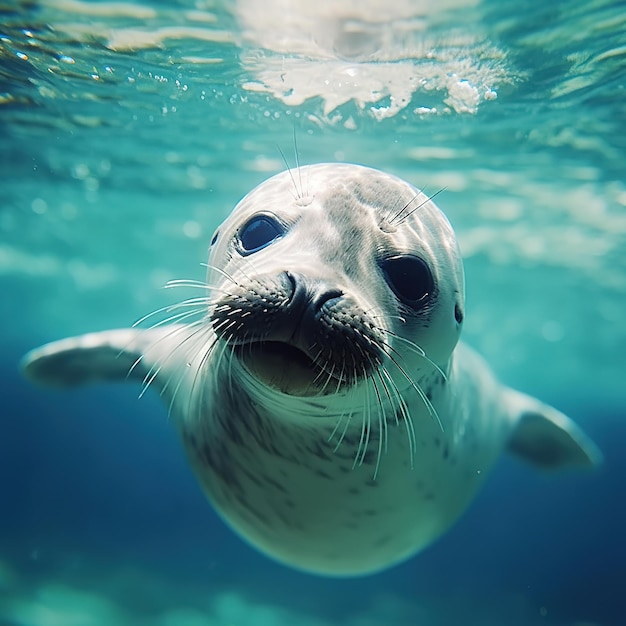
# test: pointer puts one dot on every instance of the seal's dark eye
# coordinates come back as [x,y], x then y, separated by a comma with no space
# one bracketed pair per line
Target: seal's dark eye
[410,278]
[259,232]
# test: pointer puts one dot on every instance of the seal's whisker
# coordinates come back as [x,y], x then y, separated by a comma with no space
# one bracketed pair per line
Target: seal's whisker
[231,360]
[308,171]
[298,195]
[413,347]
[401,408]
[178,317]
[389,399]
[159,364]
[190,283]
[399,218]
[135,364]
[419,390]
[141,357]
[382,371]
[355,369]
[201,369]
[225,325]
[329,377]
[396,360]
[174,395]
[347,413]
[149,377]
[350,372]
[341,378]
[349,417]
[199,327]
[191,357]
[247,261]
[221,272]
[197,284]
[365,431]
[333,432]
[202,330]
[172,307]
[321,368]
[382,428]
[197,375]
[411,344]
[297,157]
[368,413]
[393,209]
[248,338]
[405,414]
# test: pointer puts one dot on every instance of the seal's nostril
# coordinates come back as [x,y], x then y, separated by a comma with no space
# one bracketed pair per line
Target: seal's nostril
[299,289]
[309,294]
[320,299]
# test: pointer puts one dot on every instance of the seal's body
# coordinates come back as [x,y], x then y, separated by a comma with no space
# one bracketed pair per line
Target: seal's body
[323,400]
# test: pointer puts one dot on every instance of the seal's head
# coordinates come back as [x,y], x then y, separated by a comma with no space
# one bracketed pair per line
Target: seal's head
[324,275]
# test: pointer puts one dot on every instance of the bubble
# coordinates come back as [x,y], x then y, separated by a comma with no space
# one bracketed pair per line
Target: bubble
[196,178]
[92,183]
[39,206]
[192,229]
[80,171]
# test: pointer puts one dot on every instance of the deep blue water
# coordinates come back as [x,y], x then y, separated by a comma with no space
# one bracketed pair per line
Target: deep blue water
[128,132]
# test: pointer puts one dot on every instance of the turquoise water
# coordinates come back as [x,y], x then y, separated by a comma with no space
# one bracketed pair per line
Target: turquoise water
[129,131]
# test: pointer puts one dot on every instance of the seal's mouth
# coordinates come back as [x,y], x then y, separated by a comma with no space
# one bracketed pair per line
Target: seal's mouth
[284,367]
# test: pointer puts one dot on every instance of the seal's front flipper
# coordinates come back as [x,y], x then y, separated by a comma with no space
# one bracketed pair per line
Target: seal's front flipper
[112,355]
[548,438]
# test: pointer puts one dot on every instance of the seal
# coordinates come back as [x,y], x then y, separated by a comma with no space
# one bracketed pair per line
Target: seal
[318,384]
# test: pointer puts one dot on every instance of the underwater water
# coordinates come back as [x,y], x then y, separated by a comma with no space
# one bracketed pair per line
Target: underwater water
[129,131]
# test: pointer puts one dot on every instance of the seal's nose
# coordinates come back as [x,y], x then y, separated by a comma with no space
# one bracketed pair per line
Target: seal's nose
[309,295]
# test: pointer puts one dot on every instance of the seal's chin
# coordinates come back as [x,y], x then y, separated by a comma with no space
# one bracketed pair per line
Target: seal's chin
[284,367]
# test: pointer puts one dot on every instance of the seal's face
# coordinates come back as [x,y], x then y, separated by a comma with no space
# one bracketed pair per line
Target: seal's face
[333,278]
